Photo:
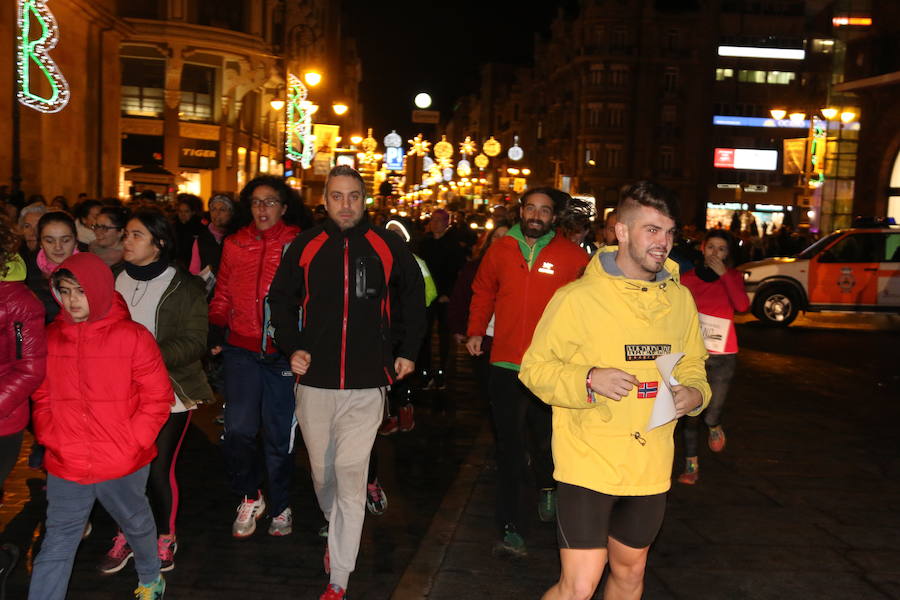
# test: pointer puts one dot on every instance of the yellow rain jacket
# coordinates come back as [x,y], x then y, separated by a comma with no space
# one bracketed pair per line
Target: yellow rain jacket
[602,320]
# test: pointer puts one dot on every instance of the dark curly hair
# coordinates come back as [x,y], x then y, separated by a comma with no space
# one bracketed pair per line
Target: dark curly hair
[9,243]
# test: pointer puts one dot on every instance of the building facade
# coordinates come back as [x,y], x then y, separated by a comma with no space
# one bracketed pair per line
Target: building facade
[176,95]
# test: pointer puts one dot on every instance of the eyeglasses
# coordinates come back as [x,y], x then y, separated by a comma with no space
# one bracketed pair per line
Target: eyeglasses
[103,228]
[268,202]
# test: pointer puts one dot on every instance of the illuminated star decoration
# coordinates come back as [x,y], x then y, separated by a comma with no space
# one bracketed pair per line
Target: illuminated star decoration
[298,144]
[468,147]
[418,146]
[34,51]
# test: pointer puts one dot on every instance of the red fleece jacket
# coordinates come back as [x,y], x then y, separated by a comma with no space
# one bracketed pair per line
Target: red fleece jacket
[517,294]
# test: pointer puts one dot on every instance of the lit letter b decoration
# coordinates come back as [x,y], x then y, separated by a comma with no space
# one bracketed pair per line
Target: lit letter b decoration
[38,34]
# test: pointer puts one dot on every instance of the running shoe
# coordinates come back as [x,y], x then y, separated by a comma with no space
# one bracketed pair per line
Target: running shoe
[691,471]
[151,591]
[547,505]
[376,499]
[440,382]
[117,557]
[283,524]
[334,592]
[407,418]
[390,426]
[248,512]
[716,438]
[166,547]
[512,543]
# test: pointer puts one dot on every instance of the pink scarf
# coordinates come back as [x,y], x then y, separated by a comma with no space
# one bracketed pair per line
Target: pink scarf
[45,264]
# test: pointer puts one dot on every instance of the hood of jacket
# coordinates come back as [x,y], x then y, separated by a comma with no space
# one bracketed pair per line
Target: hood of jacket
[15,269]
[646,299]
[96,279]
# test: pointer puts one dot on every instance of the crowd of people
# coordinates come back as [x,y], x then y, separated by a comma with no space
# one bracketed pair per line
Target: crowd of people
[119,320]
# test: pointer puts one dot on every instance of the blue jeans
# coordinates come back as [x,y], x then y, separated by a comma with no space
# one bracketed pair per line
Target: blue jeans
[68,508]
[259,396]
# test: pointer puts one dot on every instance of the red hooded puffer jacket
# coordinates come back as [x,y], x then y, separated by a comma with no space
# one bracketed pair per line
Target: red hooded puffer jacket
[23,353]
[107,391]
[250,258]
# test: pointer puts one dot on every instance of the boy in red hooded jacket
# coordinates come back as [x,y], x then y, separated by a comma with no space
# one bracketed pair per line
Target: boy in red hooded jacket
[98,412]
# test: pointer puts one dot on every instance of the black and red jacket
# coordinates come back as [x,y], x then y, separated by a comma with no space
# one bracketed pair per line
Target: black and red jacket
[332,295]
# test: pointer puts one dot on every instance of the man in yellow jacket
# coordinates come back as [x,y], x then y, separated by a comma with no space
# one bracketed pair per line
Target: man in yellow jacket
[592,358]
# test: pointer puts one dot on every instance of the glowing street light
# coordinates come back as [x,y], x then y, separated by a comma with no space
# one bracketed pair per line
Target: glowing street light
[356,139]
[829,113]
[339,108]
[778,113]
[422,100]
[312,78]
[848,116]
[276,104]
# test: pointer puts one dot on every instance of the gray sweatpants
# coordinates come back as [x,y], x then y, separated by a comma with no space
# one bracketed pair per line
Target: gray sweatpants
[339,428]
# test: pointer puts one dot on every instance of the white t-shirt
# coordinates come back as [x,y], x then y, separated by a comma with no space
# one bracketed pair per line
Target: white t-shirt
[142,298]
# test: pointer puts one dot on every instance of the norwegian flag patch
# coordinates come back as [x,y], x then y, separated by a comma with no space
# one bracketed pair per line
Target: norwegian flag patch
[647,389]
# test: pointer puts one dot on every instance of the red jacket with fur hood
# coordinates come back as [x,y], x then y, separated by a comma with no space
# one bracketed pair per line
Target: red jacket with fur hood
[107,391]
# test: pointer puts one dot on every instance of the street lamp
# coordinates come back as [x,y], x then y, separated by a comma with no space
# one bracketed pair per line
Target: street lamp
[356,139]
[422,100]
[339,108]
[312,78]
[276,104]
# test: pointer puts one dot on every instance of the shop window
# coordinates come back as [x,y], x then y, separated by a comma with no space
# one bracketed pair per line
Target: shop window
[142,87]
[723,74]
[748,76]
[198,84]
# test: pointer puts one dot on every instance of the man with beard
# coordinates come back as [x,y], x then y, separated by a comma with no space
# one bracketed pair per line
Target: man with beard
[592,360]
[516,279]
[334,298]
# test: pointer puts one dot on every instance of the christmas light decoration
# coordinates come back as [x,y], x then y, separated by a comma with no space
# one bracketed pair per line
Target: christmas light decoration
[481,161]
[418,146]
[34,51]
[515,151]
[443,149]
[298,143]
[393,140]
[468,147]
[491,147]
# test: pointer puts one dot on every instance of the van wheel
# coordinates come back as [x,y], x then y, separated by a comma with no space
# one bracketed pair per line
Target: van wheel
[777,305]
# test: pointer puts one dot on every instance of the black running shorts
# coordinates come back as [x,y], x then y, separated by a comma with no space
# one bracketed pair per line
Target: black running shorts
[585,518]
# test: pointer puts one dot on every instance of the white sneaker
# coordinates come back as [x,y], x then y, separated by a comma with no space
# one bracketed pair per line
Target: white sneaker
[283,524]
[248,512]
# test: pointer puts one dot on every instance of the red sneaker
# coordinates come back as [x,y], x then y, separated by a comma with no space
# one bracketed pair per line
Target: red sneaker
[390,426]
[333,592]
[716,438]
[691,471]
[407,420]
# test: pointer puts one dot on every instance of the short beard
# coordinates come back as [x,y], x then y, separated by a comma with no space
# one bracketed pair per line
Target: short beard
[534,232]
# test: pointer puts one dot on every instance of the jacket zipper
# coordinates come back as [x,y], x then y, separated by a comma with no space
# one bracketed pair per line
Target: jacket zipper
[259,305]
[346,311]
[19,339]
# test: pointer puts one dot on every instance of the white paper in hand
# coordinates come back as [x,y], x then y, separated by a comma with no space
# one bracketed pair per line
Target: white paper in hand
[664,404]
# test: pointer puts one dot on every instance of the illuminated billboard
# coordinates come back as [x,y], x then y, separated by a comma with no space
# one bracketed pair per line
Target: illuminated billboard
[747,159]
[758,52]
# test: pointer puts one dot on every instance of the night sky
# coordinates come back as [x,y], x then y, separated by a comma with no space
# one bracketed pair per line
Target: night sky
[410,46]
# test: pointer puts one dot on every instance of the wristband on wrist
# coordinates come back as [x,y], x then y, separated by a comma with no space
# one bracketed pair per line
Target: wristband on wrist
[591,399]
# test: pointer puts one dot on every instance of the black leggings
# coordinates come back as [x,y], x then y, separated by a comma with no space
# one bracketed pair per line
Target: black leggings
[9,454]
[162,487]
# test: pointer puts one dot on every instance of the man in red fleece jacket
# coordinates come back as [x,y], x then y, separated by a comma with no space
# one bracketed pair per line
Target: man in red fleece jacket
[515,281]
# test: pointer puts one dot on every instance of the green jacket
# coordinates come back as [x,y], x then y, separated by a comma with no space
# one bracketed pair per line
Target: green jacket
[181,330]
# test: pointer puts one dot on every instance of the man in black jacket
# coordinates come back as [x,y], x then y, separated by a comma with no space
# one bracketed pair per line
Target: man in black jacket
[331,309]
